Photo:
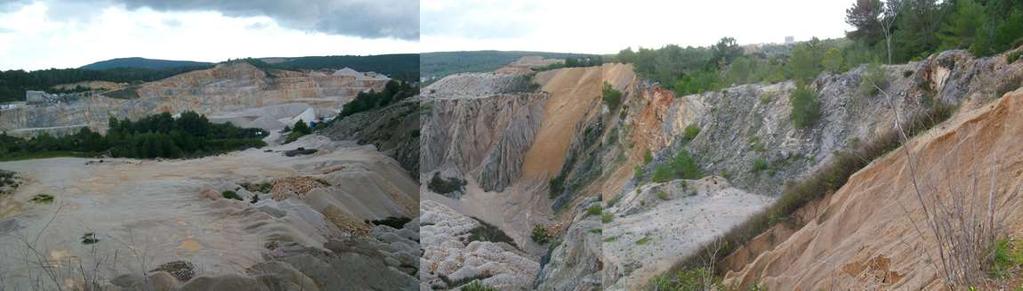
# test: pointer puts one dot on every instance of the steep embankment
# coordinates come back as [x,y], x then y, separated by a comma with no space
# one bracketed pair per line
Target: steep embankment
[394,130]
[747,123]
[303,221]
[226,92]
[862,235]
[491,142]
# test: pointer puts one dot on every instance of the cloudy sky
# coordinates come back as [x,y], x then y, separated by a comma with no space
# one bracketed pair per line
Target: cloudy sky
[607,26]
[38,34]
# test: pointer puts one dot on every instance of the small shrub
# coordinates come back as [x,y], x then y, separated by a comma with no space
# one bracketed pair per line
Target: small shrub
[756,145]
[643,241]
[557,186]
[540,234]
[1006,258]
[637,172]
[606,217]
[759,164]
[231,195]
[476,285]
[491,233]
[89,238]
[263,187]
[299,130]
[42,198]
[663,173]
[594,210]
[873,77]
[440,185]
[392,221]
[691,132]
[682,166]
[1013,56]
[612,97]
[689,279]
[596,230]
[662,195]
[255,198]
[648,157]
[805,107]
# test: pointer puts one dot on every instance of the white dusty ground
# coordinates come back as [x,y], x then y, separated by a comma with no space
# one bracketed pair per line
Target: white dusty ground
[146,213]
[648,233]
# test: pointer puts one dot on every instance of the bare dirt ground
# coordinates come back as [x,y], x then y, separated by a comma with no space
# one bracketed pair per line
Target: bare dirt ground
[142,213]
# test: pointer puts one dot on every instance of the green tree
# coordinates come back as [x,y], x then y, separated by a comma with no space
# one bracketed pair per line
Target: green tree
[863,15]
[805,63]
[805,107]
[611,96]
[963,26]
[833,60]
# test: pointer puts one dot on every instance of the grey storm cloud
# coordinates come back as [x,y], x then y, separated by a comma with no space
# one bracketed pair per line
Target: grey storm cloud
[362,18]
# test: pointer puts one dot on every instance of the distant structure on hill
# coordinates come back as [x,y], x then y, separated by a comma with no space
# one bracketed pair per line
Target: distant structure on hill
[790,40]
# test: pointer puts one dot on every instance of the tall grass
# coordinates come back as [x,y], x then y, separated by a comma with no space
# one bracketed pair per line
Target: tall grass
[828,179]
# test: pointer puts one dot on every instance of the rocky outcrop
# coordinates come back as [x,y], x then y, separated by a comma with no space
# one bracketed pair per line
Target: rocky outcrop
[225,89]
[484,136]
[453,256]
[657,223]
[576,263]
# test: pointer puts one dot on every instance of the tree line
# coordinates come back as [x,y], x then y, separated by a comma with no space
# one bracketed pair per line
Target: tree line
[892,31]
[155,136]
[14,83]
[393,92]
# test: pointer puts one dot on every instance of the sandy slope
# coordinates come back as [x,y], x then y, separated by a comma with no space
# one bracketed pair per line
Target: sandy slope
[574,93]
[863,237]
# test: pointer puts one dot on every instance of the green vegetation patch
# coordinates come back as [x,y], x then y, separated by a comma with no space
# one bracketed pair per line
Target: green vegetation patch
[540,234]
[643,241]
[300,129]
[689,279]
[691,132]
[489,232]
[682,166]
[874,78]
[606,217]
[760,164]
[89,238]
[477,285]
[1006,259]
[231,195]
[611,96]
[42,198]
[805,107]
[594,210]
[155,136]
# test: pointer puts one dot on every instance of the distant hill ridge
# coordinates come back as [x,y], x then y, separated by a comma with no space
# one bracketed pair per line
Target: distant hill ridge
[142,63]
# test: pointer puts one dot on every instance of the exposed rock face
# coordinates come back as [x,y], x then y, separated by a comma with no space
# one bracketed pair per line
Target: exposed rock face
[660,222]
[483,137]
[866,221]
[223,89]
[576,263]
[451,258]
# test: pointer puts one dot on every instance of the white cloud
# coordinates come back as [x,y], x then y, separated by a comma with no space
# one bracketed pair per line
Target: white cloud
[608,26]
[34,39]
